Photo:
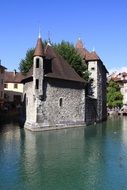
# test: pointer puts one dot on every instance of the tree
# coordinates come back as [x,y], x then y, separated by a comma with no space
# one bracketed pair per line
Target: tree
[26,63]
[70,54]
[114,96]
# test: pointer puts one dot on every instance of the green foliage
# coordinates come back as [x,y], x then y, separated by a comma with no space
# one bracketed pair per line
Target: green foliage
[25,64]
[69,53]
[114,96]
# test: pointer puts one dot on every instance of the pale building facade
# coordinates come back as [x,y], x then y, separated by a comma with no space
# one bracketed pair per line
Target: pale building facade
[13,87]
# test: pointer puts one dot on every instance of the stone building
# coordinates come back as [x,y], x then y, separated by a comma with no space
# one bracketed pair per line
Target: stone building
[13,88]
[54,94]
[98,80]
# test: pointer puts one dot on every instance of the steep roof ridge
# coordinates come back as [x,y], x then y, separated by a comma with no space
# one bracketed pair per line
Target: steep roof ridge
[39,49]
[61,69]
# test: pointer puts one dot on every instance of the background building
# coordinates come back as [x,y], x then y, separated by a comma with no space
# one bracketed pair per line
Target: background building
[2,73]
[13,87]
[121,79]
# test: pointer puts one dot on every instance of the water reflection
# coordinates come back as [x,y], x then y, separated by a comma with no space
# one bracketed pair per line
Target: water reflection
[52,155]
[81,158]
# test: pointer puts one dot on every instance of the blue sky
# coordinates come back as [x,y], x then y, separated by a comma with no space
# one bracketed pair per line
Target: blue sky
[101,24]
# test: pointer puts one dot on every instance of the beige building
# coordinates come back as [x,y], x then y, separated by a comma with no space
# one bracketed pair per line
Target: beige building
[12,87]
[2,73]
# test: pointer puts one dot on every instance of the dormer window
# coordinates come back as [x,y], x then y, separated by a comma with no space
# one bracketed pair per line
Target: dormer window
[37,63]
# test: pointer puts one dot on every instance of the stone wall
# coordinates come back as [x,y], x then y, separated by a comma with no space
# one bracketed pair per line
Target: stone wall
[63,104]
[93,69]
[101,93]
[30,103]
[98,74]
[90,110]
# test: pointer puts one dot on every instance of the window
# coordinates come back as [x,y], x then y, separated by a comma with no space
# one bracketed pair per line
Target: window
[2,81]
[5,85]
[37,84]
[92,68]
[60,102]
[91,80]
[37,63]
[15,85]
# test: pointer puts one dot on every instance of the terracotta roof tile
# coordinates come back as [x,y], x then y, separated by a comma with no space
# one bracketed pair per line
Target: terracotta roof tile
[39,49]
[60,68]
[12,77]
[88,56]
[92,56]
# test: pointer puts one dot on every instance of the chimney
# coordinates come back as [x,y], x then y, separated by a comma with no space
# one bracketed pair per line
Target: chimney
[15,72]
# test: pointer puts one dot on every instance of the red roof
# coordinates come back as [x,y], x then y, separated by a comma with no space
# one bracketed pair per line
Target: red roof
[39,49]
[88,56]
[13,77]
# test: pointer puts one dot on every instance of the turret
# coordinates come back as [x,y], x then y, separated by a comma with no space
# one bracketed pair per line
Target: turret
[38,73]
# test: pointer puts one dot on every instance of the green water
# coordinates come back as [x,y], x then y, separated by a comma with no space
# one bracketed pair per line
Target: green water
[92,158]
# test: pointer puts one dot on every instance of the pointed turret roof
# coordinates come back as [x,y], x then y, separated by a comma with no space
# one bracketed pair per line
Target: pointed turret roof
[81,49]
[79,44]
[39,49]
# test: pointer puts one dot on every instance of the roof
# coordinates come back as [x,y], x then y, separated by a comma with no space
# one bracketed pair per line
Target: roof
[81,49]
[92,56]
[120,77]
[13,77]
[60,69]
[88,56]
[39,49]
[2,67]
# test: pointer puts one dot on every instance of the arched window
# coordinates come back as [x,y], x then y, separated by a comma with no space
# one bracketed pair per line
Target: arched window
[37,63]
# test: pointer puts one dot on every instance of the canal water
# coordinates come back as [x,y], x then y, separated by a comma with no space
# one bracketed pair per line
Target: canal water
[91,158]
